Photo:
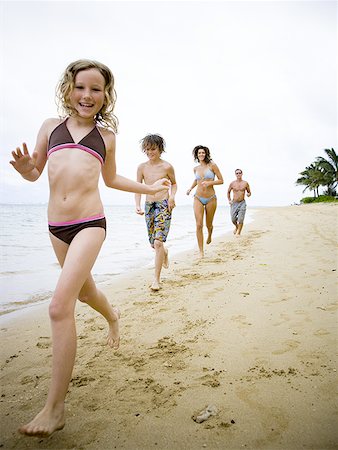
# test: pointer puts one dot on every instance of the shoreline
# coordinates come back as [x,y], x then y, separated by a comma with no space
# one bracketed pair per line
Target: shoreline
[12,310]
[250,329]
[24,284]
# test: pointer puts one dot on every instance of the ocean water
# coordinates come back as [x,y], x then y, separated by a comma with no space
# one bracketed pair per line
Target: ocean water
[28,266]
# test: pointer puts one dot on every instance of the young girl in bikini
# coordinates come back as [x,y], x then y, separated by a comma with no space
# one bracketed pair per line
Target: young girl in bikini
[79,147]
[205,198]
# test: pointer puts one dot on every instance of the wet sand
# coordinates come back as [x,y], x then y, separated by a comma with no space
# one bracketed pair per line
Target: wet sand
[250,331]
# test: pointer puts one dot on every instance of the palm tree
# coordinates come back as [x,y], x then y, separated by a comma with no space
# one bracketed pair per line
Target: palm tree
[311,178]
[329,168]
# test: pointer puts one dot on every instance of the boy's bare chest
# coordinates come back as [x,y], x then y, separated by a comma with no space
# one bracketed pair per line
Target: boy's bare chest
[153,173]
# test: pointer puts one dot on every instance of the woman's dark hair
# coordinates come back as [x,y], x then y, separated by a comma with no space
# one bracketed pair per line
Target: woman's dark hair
[207,153]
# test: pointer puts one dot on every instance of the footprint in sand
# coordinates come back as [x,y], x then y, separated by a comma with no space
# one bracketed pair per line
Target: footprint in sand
[192,276]
[321,332]
[216,260]
[81,381]
[44,342]
[242,320]
[215,275]
[28,379]
[145,303]
[288,346]
[135,361]
[270,302]
[260,361]
[216,289]
[301,312]
[193,324]
[245,294]
[90,320]
[237,256]
[332,307]
[285,317]
[167,348]
[184,279]
[211,380]
[89,404]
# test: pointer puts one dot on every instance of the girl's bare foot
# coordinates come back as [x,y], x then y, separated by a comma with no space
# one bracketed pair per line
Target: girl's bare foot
[113,338]
[44,424]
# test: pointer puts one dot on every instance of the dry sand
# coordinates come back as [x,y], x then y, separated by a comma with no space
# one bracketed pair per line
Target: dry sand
[250,330]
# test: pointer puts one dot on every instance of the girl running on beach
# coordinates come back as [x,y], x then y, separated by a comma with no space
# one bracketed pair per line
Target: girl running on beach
[78,148]
[205,197]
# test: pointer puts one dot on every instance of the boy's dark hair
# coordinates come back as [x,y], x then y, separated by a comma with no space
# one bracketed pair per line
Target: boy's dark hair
[207,153]
[153,140]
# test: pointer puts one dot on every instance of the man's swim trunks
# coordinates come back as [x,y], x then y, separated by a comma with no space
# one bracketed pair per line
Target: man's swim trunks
[92,143]
[66,231]
[238,210]
[158,219]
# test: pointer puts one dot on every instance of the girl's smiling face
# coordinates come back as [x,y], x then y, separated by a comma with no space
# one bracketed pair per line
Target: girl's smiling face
[87,97]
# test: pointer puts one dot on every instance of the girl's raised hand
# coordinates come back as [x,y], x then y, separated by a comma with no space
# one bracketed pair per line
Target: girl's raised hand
[23,161]
[160,185]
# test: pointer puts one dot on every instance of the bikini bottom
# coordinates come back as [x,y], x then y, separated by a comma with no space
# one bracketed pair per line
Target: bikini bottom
[66,231]
[205,200]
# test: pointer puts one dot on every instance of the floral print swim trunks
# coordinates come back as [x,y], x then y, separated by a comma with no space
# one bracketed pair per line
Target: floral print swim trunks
[158,219]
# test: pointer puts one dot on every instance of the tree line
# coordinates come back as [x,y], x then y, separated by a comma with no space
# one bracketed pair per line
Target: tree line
[323,172]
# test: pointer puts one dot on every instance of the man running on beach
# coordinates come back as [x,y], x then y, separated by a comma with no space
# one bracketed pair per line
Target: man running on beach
[158,207]
[238,204]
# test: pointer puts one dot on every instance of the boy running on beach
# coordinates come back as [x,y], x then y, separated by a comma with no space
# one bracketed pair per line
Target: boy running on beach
[158,206]
[238,204]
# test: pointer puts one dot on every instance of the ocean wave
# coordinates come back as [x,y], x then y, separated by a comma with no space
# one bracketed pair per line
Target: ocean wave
[15,272]
[6,308]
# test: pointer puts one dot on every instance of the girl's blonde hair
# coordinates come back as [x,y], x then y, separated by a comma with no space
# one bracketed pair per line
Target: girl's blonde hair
[105,117]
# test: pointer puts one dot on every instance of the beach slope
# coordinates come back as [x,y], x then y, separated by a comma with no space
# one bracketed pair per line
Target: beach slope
[250,331]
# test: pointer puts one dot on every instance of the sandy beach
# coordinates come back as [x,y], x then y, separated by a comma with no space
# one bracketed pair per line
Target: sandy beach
[250,331]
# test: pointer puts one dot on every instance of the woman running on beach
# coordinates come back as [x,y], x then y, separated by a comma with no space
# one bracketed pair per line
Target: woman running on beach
[205,197]
[78,147]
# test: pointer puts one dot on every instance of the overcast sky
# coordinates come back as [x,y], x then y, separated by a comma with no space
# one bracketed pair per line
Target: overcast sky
[255,81]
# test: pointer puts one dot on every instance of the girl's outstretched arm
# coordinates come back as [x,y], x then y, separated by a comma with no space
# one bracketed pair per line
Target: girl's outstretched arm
[125,184]
[113,180]
[29,166]
[24,163]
